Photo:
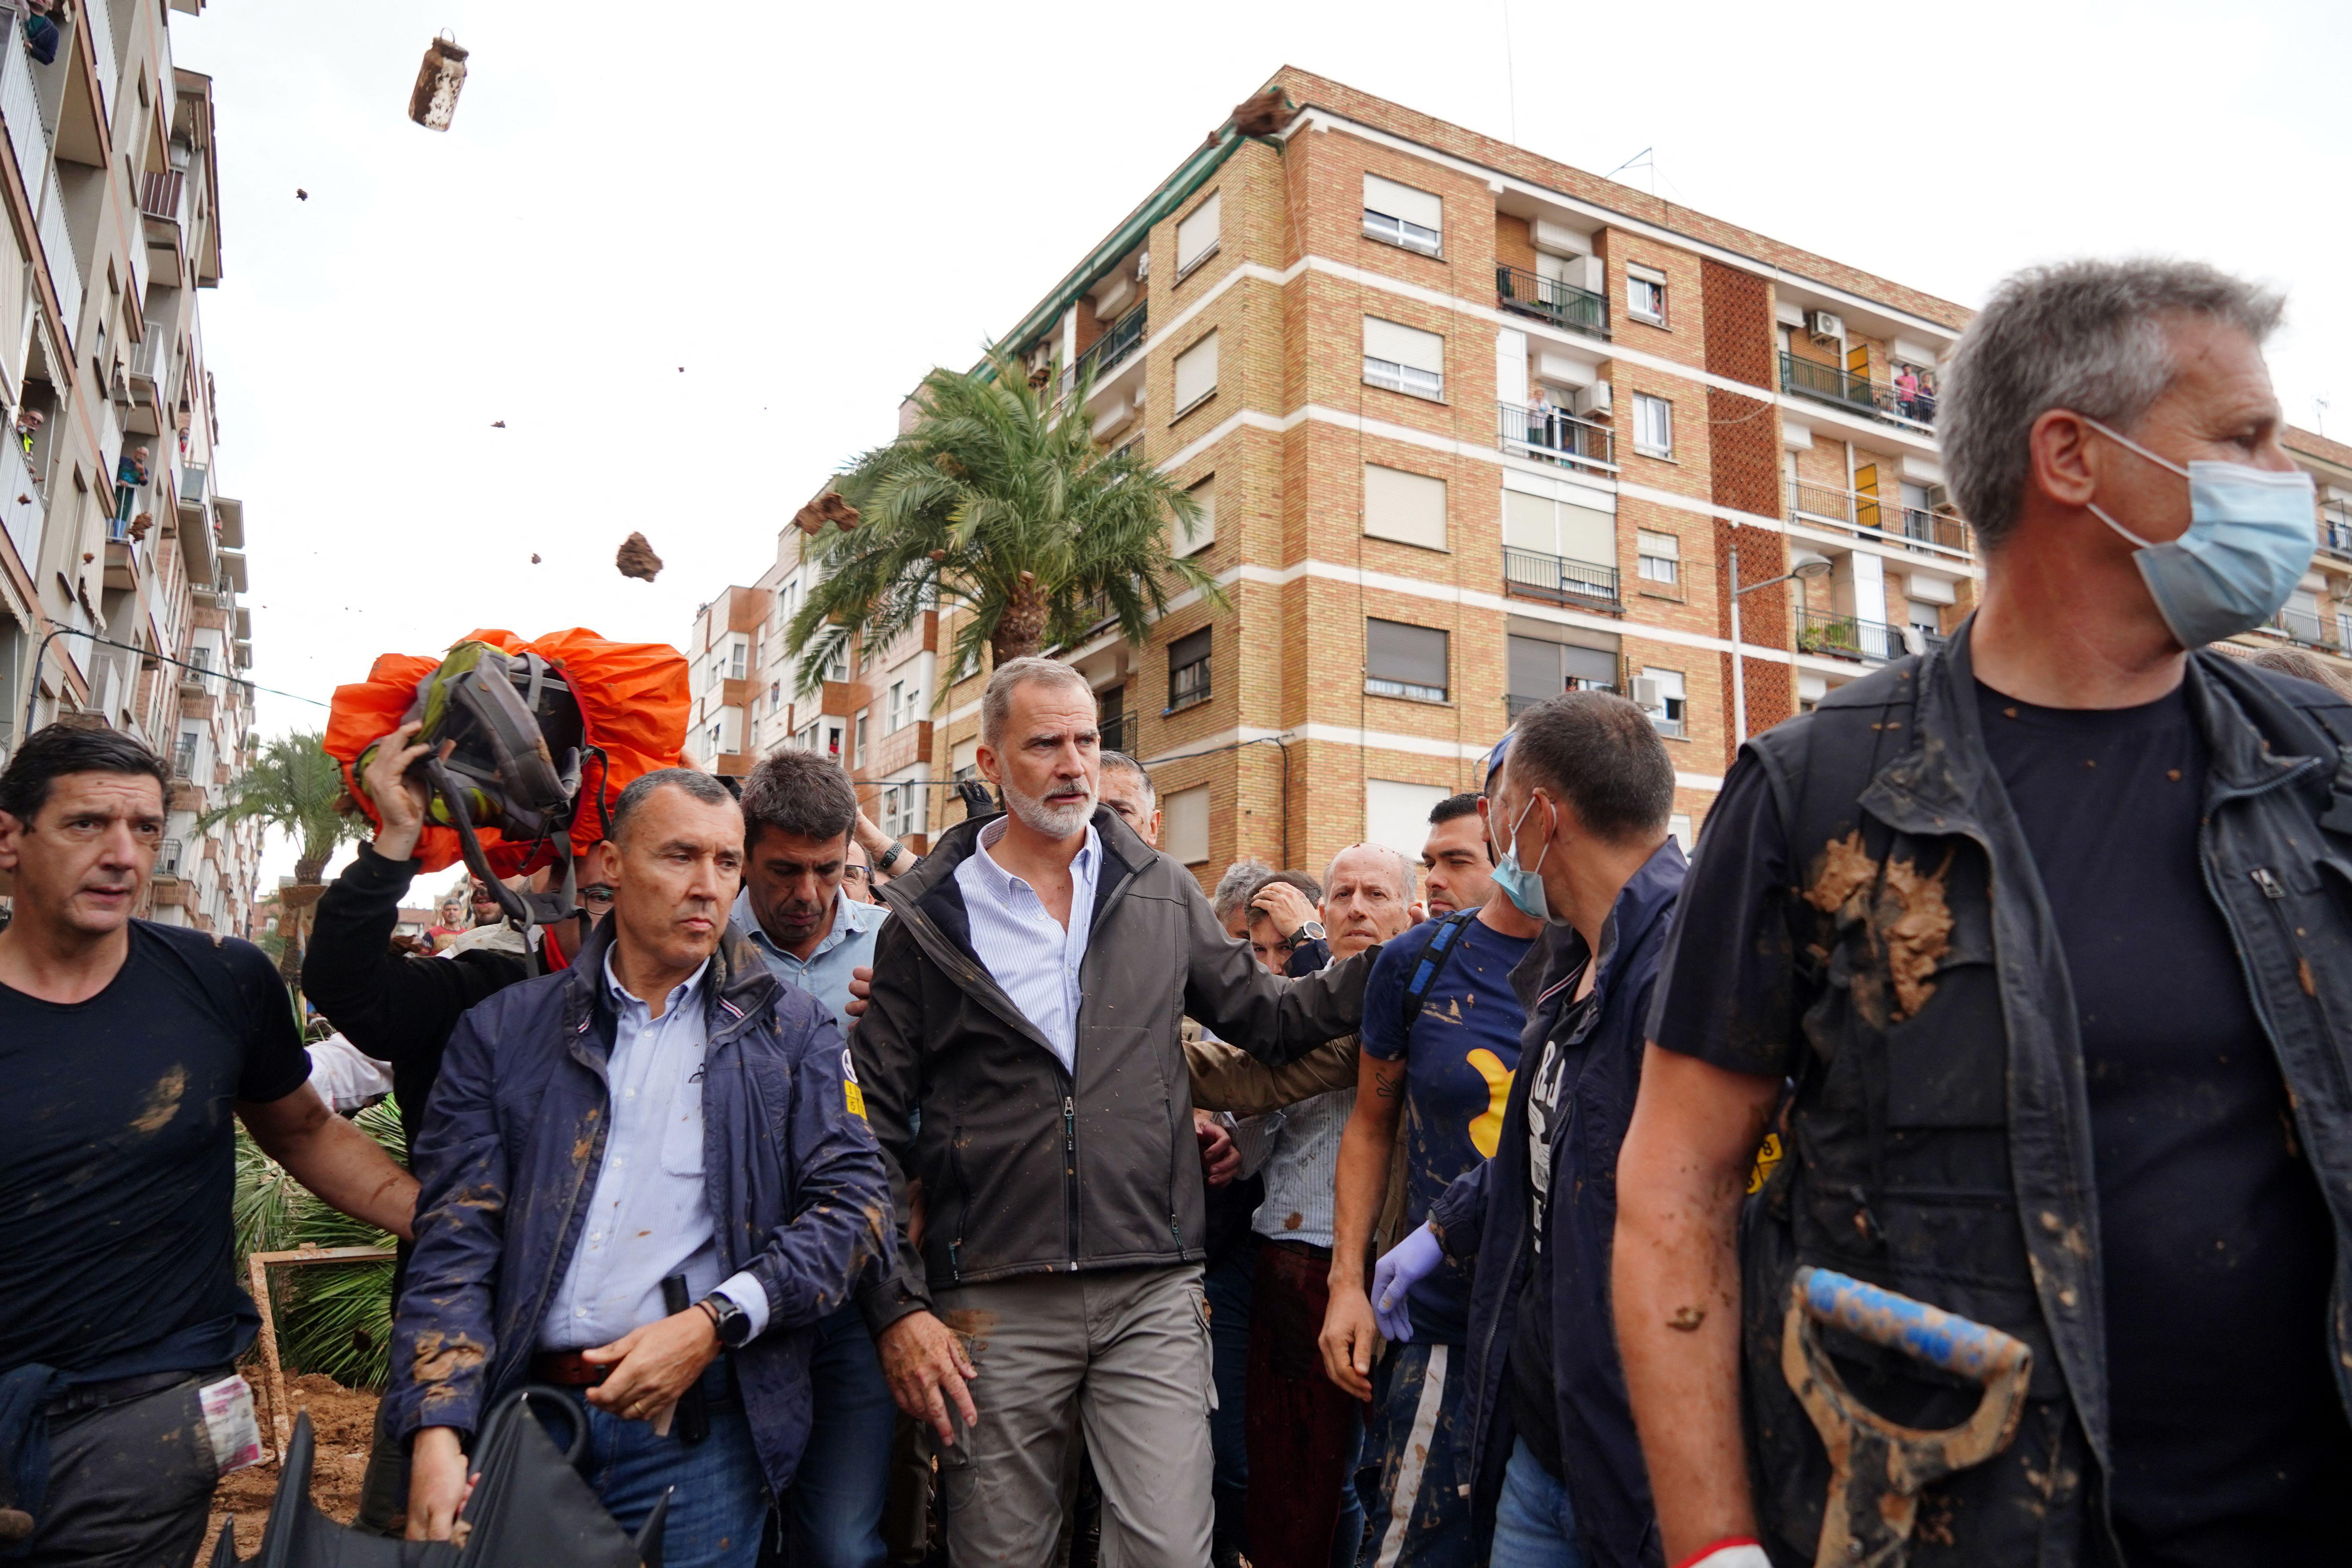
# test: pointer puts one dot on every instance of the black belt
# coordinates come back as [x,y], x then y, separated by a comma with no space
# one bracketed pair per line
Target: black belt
[86,1396]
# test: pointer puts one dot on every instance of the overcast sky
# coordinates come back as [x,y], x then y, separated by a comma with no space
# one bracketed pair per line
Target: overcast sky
[806,206]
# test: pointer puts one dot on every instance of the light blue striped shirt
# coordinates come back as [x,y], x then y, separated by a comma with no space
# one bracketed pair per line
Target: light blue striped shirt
[1031,955]
[1302,1170]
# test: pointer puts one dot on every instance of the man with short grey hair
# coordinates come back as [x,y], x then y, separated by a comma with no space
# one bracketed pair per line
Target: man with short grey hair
[2044,929]
[1020,1058]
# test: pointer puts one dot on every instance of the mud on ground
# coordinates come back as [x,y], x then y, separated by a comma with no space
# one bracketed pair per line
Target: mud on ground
[343,1420]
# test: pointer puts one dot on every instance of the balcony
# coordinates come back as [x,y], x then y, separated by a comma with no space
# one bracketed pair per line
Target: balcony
[1122,733]
[2335,531]
[1556,580]
[28,134]
[1857,394]
[2302,627]
[1866,515]
[167,860]
[1113,348]
[1847,637]
[1550,436]
[1551,300]
[21,504]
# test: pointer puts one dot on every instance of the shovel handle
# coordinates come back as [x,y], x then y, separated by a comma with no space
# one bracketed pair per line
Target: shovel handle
[1897,1322]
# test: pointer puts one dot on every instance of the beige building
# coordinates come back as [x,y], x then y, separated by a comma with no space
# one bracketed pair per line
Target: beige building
[1471,426]
[109,182]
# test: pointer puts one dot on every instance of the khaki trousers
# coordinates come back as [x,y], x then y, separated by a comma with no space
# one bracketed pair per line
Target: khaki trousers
[1122,1355]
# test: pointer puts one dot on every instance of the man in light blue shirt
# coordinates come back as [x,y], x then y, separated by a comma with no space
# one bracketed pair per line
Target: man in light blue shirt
[800,815]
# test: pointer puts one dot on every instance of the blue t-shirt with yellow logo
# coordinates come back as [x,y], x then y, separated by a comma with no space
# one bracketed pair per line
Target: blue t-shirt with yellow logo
[1459,1059]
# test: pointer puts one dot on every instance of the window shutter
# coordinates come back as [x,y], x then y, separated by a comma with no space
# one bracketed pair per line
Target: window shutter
[1407,346]
[1183,540]
[1403,202]
[1394,650]
[1184,824]
[1410,508]
[1588,535]
[1197,234]
[1665,546]
[1196,372]
[1396,814]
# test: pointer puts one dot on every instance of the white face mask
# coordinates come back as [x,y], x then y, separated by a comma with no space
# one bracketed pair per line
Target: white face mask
[2250,540]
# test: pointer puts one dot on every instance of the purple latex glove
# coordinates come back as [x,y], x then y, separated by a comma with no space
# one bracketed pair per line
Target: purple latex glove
[1402,1267]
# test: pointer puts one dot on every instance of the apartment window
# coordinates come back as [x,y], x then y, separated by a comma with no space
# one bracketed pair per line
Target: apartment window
[736,658]
[2344,629]
[1184,824]
[1188,670]
[902,809]
[1196,235]
[716,731]
[893,804]
[1196,374]
[1645,295]
[1665,704]
[1653,426]
[857,743]
[1927,620]
[1403,215]
[183,755]
[837,667]
[775,696]
[1660,556]
[1202,532]
[1540,526]
[1403,660]
[963,757]
[1538,668]
[1407,508]
[1404,359]
[1678,828]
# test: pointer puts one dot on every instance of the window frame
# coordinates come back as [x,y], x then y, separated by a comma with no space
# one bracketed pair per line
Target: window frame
[1656,287]
[1394,684]
[1644,403]
[1185,268]
[1391,228]
[1644,557]
[1671,716]
[1195,692]
[1208,340]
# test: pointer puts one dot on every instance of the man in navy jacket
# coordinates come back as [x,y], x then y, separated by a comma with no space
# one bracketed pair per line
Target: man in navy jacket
[661,1121]
[1579,817]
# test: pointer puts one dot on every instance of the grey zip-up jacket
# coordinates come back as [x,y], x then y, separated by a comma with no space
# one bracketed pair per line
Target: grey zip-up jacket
[1025,1168]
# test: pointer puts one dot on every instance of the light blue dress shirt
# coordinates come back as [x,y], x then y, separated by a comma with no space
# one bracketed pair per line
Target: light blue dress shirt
[825,973]
[1023,946]
[649,1215]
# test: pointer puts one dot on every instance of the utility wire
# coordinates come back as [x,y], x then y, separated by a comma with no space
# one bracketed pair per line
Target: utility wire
[32,697]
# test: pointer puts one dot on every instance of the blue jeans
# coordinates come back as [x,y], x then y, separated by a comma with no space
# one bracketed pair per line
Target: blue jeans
[719,1499]
[1228,1288]
[1413,1478]
[836,1502]
[1535,1527]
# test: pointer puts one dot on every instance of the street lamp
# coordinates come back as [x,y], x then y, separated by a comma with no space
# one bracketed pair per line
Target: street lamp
[1802,563]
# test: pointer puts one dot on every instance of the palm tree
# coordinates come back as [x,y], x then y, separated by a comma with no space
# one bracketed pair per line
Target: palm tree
[293,786]
[1000,498]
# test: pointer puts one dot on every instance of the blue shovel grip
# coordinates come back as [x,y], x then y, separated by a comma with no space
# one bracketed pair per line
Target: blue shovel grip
[1897,1323]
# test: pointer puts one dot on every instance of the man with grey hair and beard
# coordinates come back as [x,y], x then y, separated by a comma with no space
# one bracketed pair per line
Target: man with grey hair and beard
[1018,1056]
[2038,945]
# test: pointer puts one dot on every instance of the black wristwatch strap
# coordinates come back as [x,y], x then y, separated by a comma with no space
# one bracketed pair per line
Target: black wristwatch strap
[732,1322]
[892,856]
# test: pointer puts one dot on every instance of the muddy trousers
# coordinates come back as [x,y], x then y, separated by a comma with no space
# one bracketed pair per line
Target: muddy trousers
[131,1480]
[1122,1355]
[1305,1432]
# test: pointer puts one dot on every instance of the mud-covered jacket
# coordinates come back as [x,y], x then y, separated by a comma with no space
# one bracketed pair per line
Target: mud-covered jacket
[513,1139]
[1484,1217]
[1026,1167]
[1938,1135]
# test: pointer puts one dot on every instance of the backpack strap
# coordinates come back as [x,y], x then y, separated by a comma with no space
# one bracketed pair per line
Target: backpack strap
[1435,954]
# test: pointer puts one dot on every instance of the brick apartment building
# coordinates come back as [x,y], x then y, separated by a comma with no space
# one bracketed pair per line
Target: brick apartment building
[109,184]
[1471,426]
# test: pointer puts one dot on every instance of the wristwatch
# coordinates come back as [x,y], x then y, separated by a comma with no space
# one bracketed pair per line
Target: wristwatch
[733,1323]
[890,856]
[1309,931]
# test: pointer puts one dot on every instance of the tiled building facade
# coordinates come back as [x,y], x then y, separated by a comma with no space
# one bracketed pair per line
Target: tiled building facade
[109,182]
[1471,427]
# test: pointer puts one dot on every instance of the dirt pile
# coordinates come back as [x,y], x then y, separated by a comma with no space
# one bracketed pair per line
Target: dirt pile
[343,1420]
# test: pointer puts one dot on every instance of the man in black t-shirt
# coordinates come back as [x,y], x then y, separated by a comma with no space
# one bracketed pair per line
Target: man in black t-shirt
[2032,943]
[125,1048]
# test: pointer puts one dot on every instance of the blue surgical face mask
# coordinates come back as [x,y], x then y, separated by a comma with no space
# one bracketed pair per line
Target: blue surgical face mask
[2249,538]
[1524,885]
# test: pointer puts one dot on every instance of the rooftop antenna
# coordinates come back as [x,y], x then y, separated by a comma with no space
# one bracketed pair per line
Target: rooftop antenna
[1643,158]
[1510,73]
[2320,403]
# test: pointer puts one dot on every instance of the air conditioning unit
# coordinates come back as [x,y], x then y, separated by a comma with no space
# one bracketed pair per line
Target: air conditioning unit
[1824,327]
[1142,266]
[1938,498]
[1584,402]
[1644,693]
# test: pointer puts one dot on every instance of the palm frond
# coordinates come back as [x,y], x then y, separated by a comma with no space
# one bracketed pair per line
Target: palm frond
[331,1317]
[294,786]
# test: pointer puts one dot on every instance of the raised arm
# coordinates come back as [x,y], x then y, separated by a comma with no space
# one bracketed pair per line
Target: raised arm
[1681,1177]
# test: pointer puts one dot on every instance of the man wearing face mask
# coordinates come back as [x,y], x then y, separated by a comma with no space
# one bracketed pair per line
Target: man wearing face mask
[1578,799]
[2040,944]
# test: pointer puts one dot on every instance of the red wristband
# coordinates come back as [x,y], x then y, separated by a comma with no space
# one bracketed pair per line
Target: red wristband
[1712,1547]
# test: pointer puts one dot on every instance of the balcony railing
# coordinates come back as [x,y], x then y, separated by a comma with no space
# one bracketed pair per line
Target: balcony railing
[20,107]
[1554,578]
[21,503]
[108,65]
[1866,514]
[159,194]
[167,857]
[1562,304]
[1121,732]
[1847,637]
[58,251]
[2301,626]
[2335,531]
[1857,394]
[1112,348]
[1548,435]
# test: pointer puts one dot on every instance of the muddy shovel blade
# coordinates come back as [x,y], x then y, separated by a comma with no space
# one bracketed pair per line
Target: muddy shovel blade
[1877,1467]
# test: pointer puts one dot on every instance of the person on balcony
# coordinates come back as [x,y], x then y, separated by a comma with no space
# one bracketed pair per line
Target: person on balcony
[41,33]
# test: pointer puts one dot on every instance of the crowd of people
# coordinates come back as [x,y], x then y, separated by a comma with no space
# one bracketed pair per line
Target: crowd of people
[1437,1211]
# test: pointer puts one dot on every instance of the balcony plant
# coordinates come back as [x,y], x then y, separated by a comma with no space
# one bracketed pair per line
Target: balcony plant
[999,499]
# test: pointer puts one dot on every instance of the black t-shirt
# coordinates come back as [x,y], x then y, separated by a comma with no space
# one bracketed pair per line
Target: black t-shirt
[2231,1445]
[2216,1249]
[118,1156]
[1534,1391]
